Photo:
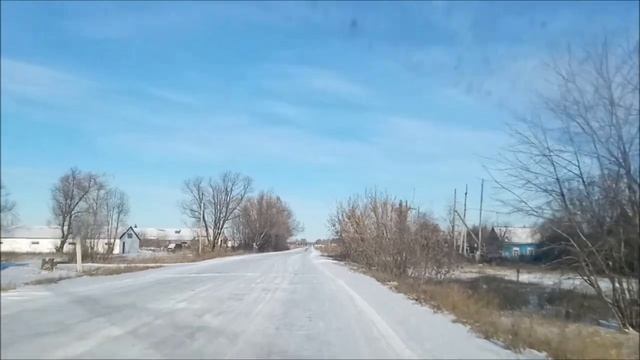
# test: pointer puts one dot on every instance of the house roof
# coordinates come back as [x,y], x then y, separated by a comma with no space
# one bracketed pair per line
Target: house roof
[519,235]
[132,230]
[31,232]
[169,234]
[34,232]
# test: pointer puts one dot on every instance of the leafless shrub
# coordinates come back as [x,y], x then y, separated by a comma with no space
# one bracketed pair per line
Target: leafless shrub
[435,253]
[380,232]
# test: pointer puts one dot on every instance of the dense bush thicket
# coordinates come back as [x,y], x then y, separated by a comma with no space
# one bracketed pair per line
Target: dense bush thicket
[380,232]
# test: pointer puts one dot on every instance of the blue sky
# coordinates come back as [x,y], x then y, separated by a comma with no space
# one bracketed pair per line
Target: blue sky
[315,101]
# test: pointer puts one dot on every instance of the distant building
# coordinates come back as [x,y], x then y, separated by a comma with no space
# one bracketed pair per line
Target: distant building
[517,241]
[162,237]
[30,239]
[45,239]
[128,242]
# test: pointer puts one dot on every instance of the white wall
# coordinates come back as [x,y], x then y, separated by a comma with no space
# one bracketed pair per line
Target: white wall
[48,245]
[23,245]
[102,245]
[131,245]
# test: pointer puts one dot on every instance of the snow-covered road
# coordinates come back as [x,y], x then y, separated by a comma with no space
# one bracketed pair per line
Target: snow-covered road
[294,304]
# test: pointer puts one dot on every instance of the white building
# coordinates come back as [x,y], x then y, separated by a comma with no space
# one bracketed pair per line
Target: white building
[45,239]
[35,239]
[127,243]
[162,237]
[518,235]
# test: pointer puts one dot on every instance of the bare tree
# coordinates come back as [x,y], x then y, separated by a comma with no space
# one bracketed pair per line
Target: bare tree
[116,209]
[89,226]
[225,197]
[99,219]
[575,167]
[265,223]
[66,197]
[8,214]
[195,204]
[214,203]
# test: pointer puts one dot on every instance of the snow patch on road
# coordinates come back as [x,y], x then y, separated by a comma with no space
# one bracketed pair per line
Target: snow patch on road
[392,338]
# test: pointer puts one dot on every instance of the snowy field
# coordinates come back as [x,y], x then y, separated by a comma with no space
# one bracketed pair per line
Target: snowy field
[26,268]
[15,274]
[556,279]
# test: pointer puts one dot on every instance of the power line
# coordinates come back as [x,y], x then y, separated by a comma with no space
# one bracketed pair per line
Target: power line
[493,211]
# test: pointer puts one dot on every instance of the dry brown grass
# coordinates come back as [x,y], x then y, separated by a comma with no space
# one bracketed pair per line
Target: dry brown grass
[111,270]
[330,250]
[7,286]
[184,256]
[49,280]
[14,256]
[115,270]
[518,330]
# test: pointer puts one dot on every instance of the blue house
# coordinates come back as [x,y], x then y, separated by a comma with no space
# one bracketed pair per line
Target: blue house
[518,242]
[512,250]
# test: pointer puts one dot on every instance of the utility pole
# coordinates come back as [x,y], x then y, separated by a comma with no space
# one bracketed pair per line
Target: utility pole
[453,219]
[467,227]
[79,256]
[479,251]
[464,218]
[200,227]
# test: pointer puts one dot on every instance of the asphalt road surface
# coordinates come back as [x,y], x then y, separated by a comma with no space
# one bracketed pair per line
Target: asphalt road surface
[294,304]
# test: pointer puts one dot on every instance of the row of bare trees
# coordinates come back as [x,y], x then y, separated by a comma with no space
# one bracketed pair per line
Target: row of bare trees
[87,208]
[381,232]
[222,209]
[575,167]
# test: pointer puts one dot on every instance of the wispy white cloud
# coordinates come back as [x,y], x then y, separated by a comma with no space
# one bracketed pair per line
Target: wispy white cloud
[224,140]
[108,21]
[330,82]
[171,95]
[327,82]
[282,108]
[393,143]
[414,138]
[40,82]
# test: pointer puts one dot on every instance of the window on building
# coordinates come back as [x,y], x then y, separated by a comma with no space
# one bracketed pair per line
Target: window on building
[530,251]
[129,236]
[516,252]
[35,242]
